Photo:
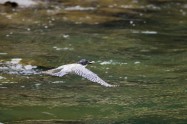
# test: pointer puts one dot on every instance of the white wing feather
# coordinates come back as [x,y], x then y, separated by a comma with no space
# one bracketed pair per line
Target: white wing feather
[84,72]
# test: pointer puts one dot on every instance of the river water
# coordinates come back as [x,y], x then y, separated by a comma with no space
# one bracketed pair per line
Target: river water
[140,46]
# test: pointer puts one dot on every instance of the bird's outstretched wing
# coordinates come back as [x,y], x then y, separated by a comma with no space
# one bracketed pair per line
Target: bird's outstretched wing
[84,72]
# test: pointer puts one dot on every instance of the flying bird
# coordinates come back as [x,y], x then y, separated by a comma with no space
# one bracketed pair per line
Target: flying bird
[80,69]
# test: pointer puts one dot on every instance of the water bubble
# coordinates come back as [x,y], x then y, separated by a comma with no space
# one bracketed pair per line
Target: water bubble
[45,26]
[141,14]
[37,85]
[22,86]
[3,53]
[65,35]
[48,113]
[137,62]
[64,49]
[148,32]
[112,62]
[79,8]
[131,22]
[28,29]
[57,82]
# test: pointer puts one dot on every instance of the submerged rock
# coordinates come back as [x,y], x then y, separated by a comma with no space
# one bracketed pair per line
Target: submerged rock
[16,3]
[11,4]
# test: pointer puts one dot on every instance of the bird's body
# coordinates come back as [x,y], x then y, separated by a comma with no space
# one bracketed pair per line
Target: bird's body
[78,69]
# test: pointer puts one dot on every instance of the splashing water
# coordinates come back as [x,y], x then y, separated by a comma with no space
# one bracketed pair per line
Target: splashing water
[15,67]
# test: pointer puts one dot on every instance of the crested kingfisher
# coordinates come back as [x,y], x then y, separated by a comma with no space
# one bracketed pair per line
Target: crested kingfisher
[80,69]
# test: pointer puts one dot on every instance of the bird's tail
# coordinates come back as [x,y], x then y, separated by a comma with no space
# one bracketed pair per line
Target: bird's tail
[54,72]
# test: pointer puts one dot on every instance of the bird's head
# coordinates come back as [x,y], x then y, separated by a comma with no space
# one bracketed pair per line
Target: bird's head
[85,62]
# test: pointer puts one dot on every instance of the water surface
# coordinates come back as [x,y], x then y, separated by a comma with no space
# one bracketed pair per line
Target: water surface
[140,46]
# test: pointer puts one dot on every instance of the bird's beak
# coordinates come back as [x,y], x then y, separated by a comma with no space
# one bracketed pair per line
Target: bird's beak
[92,62]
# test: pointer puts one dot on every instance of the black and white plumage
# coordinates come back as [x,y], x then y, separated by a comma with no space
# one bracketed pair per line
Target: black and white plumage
[79,69]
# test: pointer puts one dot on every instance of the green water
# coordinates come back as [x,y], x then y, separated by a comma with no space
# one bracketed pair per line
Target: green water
[142,45]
